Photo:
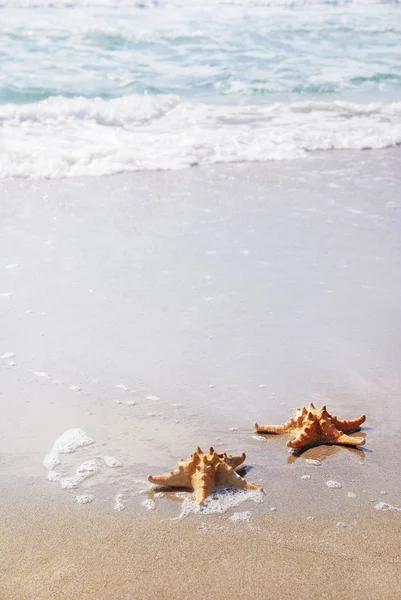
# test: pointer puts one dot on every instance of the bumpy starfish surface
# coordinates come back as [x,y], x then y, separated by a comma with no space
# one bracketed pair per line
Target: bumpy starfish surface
[203,472]
[315,426]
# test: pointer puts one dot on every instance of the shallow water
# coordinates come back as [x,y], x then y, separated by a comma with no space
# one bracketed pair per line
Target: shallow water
[158,312]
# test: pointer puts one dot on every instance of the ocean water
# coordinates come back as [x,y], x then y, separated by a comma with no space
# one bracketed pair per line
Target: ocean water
[103,87]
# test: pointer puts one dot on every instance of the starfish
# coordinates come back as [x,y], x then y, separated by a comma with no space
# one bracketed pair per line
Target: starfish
[203,472]
[312,426]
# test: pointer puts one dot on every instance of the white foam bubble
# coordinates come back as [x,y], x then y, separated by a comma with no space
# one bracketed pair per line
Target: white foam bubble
[124,388]
[305,476]
[181,495]
[130,403]
[6,295]
[141,482]
[312,461]
[112,462]
[241,516]
[75,388]
[7,355]
[42,374]
[149,504]
[220,501]
[53,476]
[84,499]
[153,398]
[341,525]
[351,495]
[87,469]
[385,506]
[68,442]
[333,484]
[118,502]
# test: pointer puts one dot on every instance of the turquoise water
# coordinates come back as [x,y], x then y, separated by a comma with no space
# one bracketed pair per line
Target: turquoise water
[240,52]
[139,65]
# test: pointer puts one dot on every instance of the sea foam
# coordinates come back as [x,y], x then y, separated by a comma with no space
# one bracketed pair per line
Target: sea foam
[333,484]
[220,501]
[385,506]
[67,137]
[112,462]
[87,469]
[68,442]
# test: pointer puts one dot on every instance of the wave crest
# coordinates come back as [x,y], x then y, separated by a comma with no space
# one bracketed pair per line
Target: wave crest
[61,137]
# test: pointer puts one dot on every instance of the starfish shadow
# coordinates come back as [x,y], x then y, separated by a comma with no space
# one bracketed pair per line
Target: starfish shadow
[243,469]
[322,451]
[169,492]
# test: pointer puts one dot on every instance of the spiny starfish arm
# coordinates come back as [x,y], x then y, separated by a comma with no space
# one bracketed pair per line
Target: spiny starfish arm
[348,426]
[233,460]
[177,478]
[330,433]
[227,475]
[202,482]
[290,425]
[196,456]
[347,440]
[269,428]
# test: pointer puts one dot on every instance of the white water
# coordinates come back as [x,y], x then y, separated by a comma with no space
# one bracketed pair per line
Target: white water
[220,502]
[62,137]
[68,442]
[87,469]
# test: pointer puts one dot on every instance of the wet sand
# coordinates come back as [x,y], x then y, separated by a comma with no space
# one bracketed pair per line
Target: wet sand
[56,551]
[159,311]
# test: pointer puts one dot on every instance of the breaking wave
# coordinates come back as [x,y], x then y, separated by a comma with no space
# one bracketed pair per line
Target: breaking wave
[64,137]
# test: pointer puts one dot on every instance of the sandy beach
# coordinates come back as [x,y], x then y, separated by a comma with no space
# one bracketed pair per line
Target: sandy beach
[59,551]
[158,311]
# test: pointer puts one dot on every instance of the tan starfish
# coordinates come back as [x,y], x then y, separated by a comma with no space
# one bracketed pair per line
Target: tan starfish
[203,472]
[315,426]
